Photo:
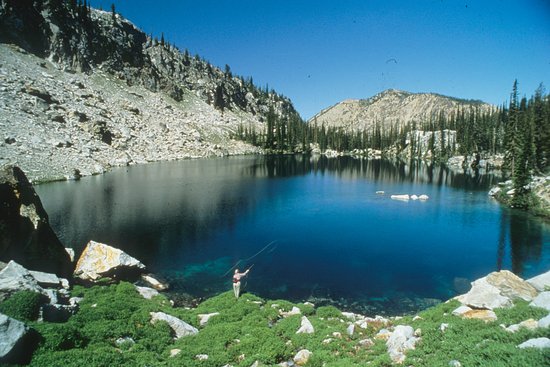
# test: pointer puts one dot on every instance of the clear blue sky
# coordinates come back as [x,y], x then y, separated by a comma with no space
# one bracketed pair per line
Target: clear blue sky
[321,52]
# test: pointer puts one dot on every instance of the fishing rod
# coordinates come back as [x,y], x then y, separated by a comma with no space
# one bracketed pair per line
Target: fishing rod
[248,259]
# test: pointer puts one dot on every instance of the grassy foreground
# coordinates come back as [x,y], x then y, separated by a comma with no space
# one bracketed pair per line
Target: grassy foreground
[250,329]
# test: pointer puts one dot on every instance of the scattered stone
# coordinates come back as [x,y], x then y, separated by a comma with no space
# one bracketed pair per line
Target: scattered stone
[423,197]
[99,260]
[203,318]
[350,329]
[404,197]
[302,357]
[454,363]
[401,340]
[485,315]
[380,192]
[527,324]
[544,322]
[540,282]
[337,334]
[461,310]
[542,301]
[125,341]
[174,352]
[180,327]
[306,327]
[443,327]
[146,292]
[539,343]
[295,311]
[202,357]
[414,197]
[155,283]
[383,334]
[418,332]
[15,344]
[367,343]
[494,191]
[416,318]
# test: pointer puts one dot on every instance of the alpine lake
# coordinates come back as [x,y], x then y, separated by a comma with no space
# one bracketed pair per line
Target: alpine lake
[312,228]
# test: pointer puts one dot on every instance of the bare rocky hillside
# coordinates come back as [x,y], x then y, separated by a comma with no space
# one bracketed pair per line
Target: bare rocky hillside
[83,90]
[392,107]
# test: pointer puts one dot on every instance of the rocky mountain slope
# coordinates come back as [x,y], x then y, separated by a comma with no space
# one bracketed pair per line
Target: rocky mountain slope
[392,107]
[82,90]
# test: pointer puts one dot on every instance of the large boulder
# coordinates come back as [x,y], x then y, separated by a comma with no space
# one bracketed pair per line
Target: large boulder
[15,278]
[542,301]
[180,327]
[17,342]
[25,232]
[99,260]
[497,289]
[540,282]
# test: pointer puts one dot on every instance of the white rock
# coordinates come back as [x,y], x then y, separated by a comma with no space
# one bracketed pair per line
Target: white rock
[203,318]
[540,282]
[401,340]
[404,197]
[350,329]
[454,363]
[498,289]
[302,357]
[70,251]
[174,352]
[414,197]
[306,327]
[295,311]
[156,284]
[15,278]
[423,197]
[47,280]
[540,343]
[494,191]
[202,357]
[461,310]
[542,301]
[146,292]
[544,322]
[380,192]
[443,327]
[180,327]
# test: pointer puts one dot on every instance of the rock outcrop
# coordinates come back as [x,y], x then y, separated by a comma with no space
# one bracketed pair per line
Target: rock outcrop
[99,260]
[25,232]
[180,327]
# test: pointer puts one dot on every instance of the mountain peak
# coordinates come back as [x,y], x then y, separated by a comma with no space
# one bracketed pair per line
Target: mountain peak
[390,107]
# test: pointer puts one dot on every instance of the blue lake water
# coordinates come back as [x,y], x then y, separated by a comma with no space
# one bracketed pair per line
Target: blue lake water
[312,228]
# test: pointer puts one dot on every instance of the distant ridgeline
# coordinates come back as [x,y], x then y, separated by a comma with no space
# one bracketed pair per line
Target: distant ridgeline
[80,38]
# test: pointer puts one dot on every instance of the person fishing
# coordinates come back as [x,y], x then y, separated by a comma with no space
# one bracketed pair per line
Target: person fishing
[237,281]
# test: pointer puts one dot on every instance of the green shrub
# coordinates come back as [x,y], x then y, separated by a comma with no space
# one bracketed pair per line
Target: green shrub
[23,306]
[327,312]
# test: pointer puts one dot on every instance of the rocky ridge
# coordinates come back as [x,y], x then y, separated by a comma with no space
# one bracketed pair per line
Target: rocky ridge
[81,94]
[392,107]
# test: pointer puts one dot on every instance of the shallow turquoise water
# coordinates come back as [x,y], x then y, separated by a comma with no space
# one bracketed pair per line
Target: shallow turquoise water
[313,229]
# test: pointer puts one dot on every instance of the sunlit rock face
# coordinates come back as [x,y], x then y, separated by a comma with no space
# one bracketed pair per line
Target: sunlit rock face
[99,260]
[25,232]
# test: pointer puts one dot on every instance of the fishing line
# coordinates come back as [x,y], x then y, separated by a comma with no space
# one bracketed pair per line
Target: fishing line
[250,258]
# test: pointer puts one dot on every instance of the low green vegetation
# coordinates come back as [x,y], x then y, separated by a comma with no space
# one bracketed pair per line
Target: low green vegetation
[23,305]
[113,328]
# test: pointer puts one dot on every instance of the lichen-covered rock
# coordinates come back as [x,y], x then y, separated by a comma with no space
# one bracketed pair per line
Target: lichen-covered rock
[498,289]
[99,260]
[180,327]
[25,232]
[302,357]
